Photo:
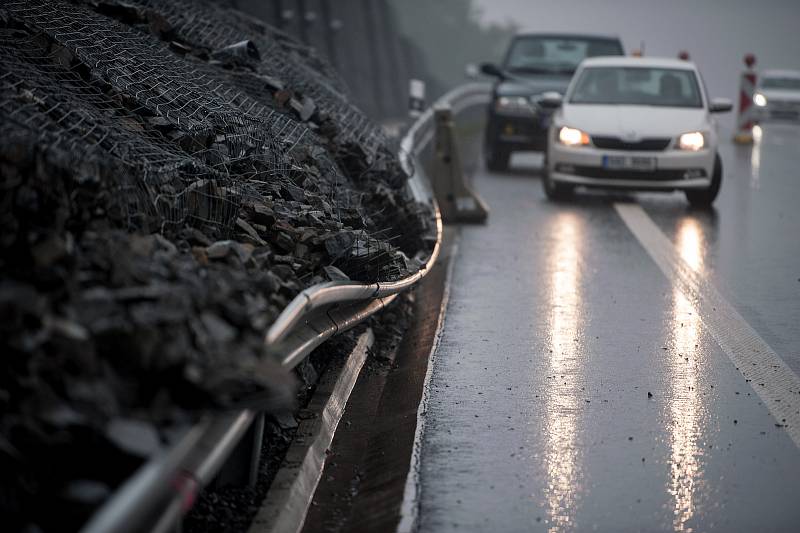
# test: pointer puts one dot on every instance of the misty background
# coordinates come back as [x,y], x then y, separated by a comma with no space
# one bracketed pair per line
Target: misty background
[716,33]
[378,45]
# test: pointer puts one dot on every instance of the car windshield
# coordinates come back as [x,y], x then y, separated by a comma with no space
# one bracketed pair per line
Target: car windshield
[556,55]
[781,83]
[637,86]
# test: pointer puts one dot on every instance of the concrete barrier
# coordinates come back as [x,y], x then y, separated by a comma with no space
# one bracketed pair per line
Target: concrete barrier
[458,203]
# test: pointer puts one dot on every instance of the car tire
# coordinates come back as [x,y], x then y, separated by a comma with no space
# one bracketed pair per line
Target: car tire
[497,158]
[704,198]
[554,191]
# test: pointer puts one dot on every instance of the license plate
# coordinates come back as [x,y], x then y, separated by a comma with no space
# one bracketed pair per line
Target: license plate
[620,162]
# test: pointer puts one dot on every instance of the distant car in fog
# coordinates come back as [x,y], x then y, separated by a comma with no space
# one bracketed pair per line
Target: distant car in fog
[635,123]
[777,95]
[535,63]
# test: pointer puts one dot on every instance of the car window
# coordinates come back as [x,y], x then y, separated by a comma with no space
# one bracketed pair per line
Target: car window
[556,55]
[637,86]
[781,83]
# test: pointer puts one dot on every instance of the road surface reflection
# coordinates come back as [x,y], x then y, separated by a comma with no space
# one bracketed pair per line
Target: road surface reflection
[755,158]
[564,401]
[685,409]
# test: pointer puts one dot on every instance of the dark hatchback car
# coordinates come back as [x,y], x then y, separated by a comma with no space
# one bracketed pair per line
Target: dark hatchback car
[535,63]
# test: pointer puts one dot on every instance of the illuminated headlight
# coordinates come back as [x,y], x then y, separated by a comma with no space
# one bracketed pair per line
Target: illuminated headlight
[759,99]
[573,137]
[693,141]
[513,104]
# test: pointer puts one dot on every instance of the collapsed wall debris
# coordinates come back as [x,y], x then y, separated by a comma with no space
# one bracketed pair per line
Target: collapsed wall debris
[173,173]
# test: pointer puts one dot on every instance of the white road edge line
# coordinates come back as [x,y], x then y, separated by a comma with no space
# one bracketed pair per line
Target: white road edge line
[409,509]
[775,383]
[286,506]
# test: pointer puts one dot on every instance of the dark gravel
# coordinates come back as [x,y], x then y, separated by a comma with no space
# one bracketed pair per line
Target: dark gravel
[173,173]
[230,508]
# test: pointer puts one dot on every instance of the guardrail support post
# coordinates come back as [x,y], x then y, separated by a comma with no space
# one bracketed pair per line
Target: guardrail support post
[241,468]
[457,201]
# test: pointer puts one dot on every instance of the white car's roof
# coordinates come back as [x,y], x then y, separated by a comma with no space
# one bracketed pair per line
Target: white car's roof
[777,73]
[627,61]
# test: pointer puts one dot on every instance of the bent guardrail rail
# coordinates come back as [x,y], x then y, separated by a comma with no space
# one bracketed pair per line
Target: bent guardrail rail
[418,137]
[164,489]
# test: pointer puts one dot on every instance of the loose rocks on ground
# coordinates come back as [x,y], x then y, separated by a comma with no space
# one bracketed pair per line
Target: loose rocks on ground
[173,173]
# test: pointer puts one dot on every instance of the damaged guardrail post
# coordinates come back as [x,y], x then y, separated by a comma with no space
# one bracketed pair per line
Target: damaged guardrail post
[241,468]
[457,201]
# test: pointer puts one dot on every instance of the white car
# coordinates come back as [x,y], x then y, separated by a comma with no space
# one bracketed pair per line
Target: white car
[777,95]
[634,123]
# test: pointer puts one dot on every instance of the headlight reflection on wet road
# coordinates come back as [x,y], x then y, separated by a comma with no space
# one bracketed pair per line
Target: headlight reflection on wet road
[685,408]
[755,158]
[566,353]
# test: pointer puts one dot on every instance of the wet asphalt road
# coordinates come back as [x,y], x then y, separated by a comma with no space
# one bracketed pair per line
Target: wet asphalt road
[578,387]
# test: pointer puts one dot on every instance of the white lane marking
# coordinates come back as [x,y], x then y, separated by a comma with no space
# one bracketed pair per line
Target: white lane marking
[775,383]
[409,509]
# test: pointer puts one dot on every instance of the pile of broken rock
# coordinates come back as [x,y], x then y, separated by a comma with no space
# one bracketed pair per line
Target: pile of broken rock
[173,174]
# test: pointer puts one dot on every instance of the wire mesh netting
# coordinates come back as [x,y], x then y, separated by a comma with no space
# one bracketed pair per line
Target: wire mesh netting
[188,124]
[173,174]
[223,131]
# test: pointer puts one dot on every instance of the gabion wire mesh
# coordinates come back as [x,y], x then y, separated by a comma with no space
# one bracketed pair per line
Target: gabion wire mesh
[173,174]
[184,138]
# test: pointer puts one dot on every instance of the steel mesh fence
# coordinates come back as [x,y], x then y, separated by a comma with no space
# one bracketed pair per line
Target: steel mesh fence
[183,136]
[173,175]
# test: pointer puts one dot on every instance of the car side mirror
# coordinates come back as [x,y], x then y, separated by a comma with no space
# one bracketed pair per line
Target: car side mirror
[471,71]
[551,100]
[720,105]
[490,69]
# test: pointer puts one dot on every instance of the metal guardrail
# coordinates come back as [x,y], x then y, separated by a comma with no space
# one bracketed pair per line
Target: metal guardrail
[165,488]
[421,133]
[418,137]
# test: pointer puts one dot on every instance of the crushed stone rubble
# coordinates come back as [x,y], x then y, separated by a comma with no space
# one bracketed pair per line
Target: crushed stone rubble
[173,173]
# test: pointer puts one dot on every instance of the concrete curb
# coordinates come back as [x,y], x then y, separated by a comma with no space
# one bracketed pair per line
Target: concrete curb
[409,509]
[286,505]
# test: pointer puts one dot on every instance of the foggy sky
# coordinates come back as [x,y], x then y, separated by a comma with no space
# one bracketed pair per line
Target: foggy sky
[717,33]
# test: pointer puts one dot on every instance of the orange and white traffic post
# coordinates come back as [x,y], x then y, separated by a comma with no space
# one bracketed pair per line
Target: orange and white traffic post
[747,87]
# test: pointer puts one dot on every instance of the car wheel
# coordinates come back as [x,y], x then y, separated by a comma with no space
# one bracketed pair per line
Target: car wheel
[554,191]
[704,198]
[497,158]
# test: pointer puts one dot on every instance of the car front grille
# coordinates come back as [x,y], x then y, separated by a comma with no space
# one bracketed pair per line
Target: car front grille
[784,109]
[608,174]
[653,144]
[784,104]
[785,115]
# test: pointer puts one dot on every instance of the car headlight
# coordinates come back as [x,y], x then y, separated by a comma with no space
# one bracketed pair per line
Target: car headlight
[693,141]
[573,137]
[513,104]
[759,99]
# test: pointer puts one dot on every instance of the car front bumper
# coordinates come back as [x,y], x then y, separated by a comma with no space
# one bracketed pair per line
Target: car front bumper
[516,132]
[674,169]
